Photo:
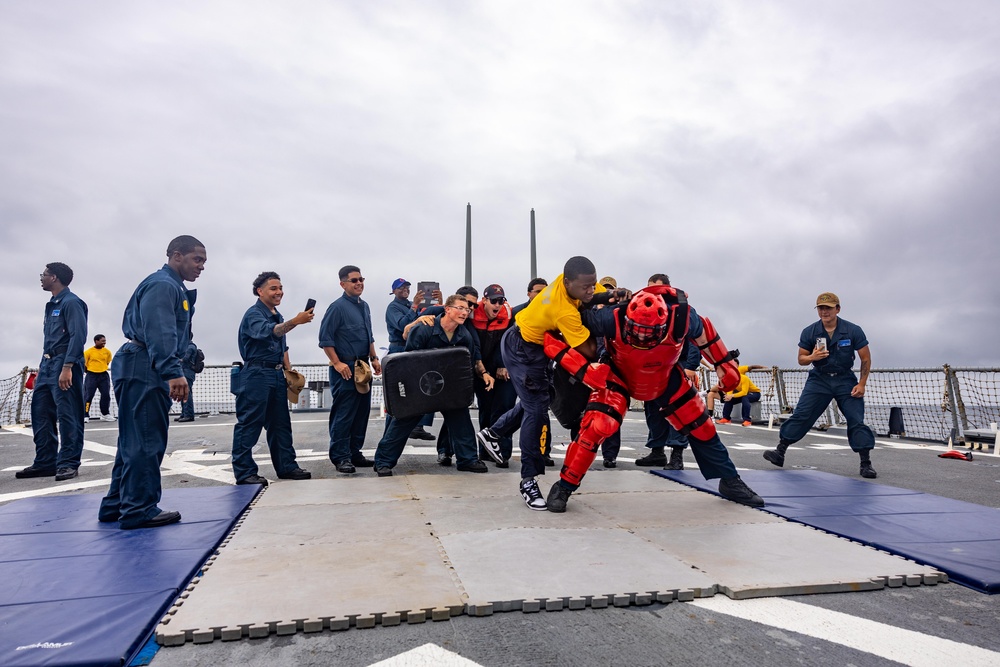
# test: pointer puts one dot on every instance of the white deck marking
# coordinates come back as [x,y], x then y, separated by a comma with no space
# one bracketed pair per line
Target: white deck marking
[904,646]
[428,655]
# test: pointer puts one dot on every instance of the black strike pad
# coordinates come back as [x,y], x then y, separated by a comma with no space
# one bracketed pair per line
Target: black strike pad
[423,381]
[958,538]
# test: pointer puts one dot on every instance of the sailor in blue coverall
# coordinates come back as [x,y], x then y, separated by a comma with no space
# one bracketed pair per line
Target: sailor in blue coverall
[346,336]
[260,386]
[831,378]
[147,376]
[58,392]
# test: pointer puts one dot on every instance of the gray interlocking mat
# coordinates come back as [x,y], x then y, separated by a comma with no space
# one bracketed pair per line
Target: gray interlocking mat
[341,553]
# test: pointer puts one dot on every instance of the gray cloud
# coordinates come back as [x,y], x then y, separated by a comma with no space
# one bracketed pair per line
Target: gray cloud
[759,154]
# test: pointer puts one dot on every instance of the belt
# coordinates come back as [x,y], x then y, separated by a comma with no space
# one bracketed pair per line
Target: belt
[833,375]
[54,353]
[265,364]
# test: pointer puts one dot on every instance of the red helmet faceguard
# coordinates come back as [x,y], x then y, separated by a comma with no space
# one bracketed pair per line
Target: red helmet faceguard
[645,320]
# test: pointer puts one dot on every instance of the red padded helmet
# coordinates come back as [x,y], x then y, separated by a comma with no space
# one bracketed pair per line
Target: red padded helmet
[646,319]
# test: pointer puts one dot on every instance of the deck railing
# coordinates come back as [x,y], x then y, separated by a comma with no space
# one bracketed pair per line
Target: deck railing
[936,403]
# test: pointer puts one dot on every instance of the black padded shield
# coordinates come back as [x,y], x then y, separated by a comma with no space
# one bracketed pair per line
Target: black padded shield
[569,399]
[423,381]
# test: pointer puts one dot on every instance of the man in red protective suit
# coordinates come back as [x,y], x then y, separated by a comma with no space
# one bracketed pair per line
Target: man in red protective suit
[644,338]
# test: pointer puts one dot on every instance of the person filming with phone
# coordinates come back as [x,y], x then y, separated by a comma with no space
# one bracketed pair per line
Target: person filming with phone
[262,385]
[829,345]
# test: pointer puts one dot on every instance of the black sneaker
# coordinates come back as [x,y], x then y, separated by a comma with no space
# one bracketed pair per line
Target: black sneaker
[420,434]
[775,457]
[253,479]
[346,467]
[444,460]
[505,464]
[656,457]
[66,473]
[867,471]
[608,463]
[32,471]
[676,461]
[735,489]
[532,496]
[549,461]
[383,472]
[298,473]
[489,442]
[360,461]
[475,466]
[558,496]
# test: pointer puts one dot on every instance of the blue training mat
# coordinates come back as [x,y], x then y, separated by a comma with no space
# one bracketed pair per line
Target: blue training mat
[958,538]
[74,591]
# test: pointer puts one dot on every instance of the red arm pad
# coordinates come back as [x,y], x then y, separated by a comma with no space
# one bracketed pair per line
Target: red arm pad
[594,376]
[715,352]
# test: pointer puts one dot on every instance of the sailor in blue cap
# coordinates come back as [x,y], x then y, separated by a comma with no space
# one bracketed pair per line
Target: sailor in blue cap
[829,344]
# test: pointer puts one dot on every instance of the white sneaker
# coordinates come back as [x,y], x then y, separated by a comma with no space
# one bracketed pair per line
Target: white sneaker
[490,444]
[107,418]
[86,419]
[532,495]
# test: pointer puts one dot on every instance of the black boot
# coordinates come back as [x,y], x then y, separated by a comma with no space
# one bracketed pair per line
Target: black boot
[777,455]
[558,497]
[656,457]
[735,489]
[867,471]
[676,459]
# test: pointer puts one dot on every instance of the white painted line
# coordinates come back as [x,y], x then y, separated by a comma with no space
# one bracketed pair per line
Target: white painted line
[886,641]
[428,655]
[58,487]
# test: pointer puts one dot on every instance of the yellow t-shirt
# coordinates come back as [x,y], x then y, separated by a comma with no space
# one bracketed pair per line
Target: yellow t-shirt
[97,361]
[746,384]
[554,310]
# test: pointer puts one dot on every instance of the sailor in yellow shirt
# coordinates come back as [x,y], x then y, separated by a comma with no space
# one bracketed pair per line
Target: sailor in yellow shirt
[556,309]
[745,394]
[96,361]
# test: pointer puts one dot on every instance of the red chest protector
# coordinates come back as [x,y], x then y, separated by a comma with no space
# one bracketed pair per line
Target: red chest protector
[645,371]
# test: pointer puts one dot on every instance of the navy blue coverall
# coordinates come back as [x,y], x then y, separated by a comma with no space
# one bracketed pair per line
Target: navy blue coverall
[262,394]
[157,324]
[65,332]
[347,328]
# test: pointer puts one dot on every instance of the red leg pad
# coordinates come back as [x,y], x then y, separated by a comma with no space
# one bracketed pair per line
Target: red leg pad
[595,427]
[690,412]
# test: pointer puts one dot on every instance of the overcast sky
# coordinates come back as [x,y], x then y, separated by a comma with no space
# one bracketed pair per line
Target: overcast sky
[758,152]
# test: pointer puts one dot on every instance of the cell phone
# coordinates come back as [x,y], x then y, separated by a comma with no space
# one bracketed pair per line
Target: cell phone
[428,288]
[820,343]
[310,304]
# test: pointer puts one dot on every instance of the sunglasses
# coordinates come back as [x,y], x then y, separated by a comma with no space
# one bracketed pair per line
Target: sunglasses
[354,280]
[497,300]
[473,304]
